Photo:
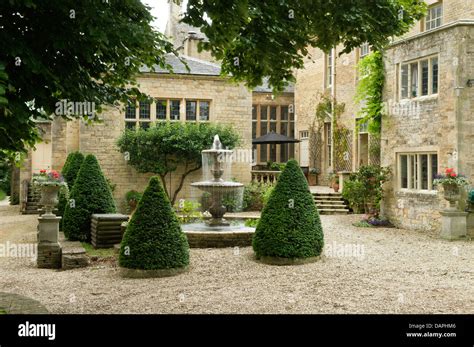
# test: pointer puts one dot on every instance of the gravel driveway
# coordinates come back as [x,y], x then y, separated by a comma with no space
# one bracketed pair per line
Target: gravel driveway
[363,271]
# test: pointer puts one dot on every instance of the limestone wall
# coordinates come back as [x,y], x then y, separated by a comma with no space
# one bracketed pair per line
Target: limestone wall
[440,123]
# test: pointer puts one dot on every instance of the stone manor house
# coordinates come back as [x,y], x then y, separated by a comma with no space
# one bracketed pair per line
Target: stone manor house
[428,126]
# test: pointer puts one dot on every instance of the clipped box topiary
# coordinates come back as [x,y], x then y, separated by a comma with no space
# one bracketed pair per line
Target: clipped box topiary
[69,172]
[289,230]
[154,244]
[90,194]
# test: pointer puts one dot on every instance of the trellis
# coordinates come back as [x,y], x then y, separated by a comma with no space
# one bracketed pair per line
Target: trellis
[342,149]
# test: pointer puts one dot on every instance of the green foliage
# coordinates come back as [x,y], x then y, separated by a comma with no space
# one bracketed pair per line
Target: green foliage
[289,226]
[255,196]
[363,188]
[353,191]
[154,239]
[187,211]
[163,148]
[90,194]
[70,50]
[255,39]
[470,196]
[3,195]
[99,253]
[369,91]
[252,223]
[5,177]
[133,196]
[69,172]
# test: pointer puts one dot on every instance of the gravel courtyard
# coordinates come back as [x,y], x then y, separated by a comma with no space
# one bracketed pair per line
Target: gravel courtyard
[389,271]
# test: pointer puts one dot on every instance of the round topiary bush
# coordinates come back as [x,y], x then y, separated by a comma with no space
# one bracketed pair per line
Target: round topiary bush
[289,230]
[153,241]
[90,194]
[69,172]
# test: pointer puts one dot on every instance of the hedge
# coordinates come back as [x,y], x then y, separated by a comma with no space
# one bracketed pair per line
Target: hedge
[69,172]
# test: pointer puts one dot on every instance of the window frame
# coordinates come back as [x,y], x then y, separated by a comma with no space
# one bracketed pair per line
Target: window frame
[430,23]
[415,180]
[407,94]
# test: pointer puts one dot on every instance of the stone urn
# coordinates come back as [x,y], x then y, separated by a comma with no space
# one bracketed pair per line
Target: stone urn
[49,198]
[452,193]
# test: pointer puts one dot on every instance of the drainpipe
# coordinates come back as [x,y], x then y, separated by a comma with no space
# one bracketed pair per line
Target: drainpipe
[333,104]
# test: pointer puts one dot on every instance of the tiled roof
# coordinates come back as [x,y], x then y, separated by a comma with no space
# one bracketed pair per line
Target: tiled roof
[196,66]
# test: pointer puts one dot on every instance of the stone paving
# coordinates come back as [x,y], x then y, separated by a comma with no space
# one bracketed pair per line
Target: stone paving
[19,304]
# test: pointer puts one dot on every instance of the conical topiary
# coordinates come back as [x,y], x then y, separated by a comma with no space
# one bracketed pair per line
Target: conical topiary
[90,194]
[289,229]
[153,239]
[69,172]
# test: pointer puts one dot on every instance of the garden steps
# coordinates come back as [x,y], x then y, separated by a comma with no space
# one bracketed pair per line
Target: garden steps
[330,203]
[32,202]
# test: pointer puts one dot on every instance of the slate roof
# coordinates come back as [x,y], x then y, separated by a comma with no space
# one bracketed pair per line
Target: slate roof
[196,66]
[264,88]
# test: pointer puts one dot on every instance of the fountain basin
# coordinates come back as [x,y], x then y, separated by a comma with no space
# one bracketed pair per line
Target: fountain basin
[200,235]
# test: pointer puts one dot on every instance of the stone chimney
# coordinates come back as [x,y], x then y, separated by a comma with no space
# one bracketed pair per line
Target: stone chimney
[173,20]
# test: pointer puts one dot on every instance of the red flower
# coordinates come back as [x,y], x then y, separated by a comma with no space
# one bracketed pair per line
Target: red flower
[42,171]
[453,174]
[449,170]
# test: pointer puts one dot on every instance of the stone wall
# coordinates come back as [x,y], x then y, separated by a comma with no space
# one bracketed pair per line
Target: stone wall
[230,104]
[441,123]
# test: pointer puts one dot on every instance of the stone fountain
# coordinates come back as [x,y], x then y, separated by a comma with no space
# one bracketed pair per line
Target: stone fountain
[216,186]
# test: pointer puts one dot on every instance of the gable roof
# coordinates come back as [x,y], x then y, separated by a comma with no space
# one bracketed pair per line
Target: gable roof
[265,88]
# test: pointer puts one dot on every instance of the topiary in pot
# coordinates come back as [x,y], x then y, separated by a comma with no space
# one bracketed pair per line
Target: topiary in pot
[289,231]
[153,244]
[90,194]
[69,172]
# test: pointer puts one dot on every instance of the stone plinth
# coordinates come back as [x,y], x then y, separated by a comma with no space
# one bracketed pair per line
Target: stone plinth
[453,224]
[73,258]
[49,250]
[470,224]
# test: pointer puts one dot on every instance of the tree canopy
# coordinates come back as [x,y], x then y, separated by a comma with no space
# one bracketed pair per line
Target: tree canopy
[79,51]
[255,38]
[166,146]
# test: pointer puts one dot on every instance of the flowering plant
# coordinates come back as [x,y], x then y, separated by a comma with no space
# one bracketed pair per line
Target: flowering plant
[52,178]
[450,177]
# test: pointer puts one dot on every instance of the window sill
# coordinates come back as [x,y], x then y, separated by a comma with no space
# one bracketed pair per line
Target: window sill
[421,98]
[402,192]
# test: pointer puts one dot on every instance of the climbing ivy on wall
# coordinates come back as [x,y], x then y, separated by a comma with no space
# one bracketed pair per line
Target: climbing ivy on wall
[369,91]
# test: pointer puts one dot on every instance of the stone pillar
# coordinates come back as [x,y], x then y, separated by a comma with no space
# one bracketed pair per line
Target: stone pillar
[453,224]
[49,249]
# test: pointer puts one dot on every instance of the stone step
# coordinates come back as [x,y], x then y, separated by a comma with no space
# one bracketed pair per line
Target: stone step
[327,197]
[318,201]
[333,211]
[332,206]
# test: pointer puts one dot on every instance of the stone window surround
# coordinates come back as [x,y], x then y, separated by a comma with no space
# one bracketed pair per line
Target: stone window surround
[329,66]
[397,174]
[428,23]
[168,100]
[256,112]
[418,61]
[364,50]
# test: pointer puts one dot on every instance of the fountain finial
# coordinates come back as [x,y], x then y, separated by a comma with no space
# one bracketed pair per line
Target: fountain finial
[217,144]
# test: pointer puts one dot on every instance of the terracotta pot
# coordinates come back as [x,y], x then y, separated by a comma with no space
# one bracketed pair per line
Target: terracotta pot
[49,198]
[452,193]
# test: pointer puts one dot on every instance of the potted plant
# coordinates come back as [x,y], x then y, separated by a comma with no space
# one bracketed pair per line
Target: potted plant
[313,176]
[452,184]
[333,181]
[132,197]
[49,184]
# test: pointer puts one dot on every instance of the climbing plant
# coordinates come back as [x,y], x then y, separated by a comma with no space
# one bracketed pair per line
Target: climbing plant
[369,91]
